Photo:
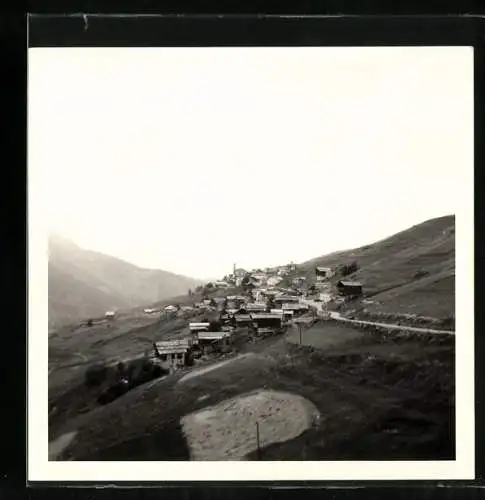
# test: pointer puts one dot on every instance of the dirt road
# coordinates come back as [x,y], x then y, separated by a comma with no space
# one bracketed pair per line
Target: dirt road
[337,316]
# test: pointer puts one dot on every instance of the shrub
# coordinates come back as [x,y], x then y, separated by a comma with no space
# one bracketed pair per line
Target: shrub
[95,375]
[89,322]
[421,273]
[347,269]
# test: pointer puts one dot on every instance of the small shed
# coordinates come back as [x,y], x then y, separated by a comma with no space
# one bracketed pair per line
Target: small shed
[349,288]
[322,273]
[266,323]
[109,315]
[175,353]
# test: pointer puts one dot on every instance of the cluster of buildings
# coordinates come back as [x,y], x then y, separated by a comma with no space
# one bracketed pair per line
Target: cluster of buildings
[263,308]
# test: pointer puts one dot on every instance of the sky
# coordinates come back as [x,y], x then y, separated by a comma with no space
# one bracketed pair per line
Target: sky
[192,159]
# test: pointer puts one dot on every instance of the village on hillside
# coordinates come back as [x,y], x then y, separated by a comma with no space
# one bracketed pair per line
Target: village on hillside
[244,307]
[269,303]
[288,328]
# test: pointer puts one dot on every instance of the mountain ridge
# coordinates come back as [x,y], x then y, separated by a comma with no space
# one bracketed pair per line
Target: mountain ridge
[85,283]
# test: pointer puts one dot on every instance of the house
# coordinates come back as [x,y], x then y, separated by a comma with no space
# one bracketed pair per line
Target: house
[221,284]
[256,306]
[214,341]
[323,273]
[242,319]
[286,299]
[266,323]
[296,309]
[174,353]
[235,301]
[273,280]
[199,327]
[109,315]
[349,288]
[170,308]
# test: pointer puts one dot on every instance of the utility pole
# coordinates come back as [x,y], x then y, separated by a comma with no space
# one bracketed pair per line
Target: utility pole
[257,440]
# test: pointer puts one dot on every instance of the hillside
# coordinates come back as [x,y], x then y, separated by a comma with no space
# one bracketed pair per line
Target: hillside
[84,283]
[412,271]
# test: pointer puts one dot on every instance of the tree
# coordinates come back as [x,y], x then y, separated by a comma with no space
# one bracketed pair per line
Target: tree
[215,326]
[209,286]
[347,269]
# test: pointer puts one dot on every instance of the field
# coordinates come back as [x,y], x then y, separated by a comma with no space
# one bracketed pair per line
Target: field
[377,399]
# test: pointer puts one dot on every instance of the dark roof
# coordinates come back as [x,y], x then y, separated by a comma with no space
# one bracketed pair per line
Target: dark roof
[350,283]
[266,316]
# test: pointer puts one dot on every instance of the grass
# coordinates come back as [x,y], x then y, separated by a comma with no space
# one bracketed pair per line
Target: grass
[324,335]
[410,272]
[380,399]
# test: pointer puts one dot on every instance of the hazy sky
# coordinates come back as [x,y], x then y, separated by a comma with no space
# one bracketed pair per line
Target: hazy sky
[191,159]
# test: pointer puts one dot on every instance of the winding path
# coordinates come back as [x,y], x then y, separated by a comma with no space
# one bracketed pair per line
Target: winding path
[337,316]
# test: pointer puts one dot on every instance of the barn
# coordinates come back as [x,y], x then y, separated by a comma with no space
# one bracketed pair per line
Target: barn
[174,353]
[267,323]
[349,288]
[214,341]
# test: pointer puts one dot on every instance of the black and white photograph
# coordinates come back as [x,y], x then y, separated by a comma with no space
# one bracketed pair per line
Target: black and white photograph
[251,254]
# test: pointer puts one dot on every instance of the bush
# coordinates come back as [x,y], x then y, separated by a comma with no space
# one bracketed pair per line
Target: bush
[449,321]
[347,269]
[95,375]
[421,274]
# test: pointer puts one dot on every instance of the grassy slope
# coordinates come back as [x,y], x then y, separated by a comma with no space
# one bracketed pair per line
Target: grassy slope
[84,283]
[388,269]
[397,405]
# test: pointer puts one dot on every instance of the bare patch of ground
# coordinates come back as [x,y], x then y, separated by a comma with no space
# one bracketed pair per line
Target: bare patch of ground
[228,430]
